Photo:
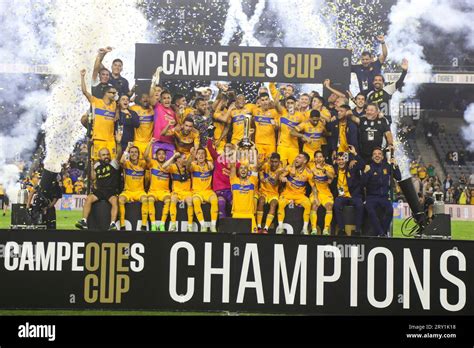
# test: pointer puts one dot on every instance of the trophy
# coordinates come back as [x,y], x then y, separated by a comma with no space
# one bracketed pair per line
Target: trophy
[246,143]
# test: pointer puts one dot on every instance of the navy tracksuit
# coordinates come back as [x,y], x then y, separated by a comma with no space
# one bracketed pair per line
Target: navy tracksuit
[376,180]
[353,178]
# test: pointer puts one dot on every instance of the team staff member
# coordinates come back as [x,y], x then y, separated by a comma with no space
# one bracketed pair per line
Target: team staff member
[288,147]
[372,131]
[201,175]
[134,191]
[264,121]
[104,120]
[376,181]
[343,131]
[348,179]
[185,136]
[127,120]
[145,113]
[323,177]
[159,186]
[296,177]
[181,188]
[106,176]
[269,185]
[312,132]
[244,185]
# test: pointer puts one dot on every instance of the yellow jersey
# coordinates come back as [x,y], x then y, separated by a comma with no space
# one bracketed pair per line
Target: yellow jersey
[78,186]
[2,191]
[184,142]
[145,131]
[316,133]
[288,122]
[134,175]
[297,180]
[201,177]
[243,194]
[321,176]
[104,120]
[342,176]
[342,146]
[324,112]
[264,130]
[160,179]
[180,179]
[269,180]
[219,125]
[187,111]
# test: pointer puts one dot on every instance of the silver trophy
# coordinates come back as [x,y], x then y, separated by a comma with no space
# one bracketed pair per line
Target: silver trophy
[246,143]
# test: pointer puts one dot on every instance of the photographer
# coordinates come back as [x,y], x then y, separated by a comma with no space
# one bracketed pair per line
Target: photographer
[41,202]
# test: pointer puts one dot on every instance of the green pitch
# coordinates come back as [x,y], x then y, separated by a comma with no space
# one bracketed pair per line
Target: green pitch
[463,230]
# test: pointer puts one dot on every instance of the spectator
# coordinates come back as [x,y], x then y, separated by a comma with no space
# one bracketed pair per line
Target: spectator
[67,184]
[449,158]
[462,158]
[79,186]
[417,183]
[464,196]
[449,198]
[414,168]
[438,195]
[447,183]
[471,180]
[422,173]
[462,180]
[430,170]
[471,194]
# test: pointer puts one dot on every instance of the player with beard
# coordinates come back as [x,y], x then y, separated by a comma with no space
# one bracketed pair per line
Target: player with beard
[202,120]
[296,177]
[134,191]
[343,131]
[159,186]
[269,184]
[181,190]
[237,112]
[145,114]
[201,174]
[106,175]
[244,185]
[323,177]
[264,121]
[186,136]
[376,181]
[312,132]
[381,95]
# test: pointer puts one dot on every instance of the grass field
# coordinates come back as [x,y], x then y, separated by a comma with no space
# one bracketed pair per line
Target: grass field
[462,230]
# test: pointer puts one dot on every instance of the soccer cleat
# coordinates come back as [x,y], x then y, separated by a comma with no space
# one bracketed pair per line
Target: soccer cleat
[154,227]
[113,227]
[326,232]
[162,228]
[259,230]
[213,229]
[304,231]
[81,224]
[280,230]
[314,232]
[122,228]
[190,228]
[203,229]
[143,228]
[173,227]
[265,231]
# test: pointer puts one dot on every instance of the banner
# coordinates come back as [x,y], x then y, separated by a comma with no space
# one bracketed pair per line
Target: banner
[456,211]
[71,202]
[235,272]
[241,63]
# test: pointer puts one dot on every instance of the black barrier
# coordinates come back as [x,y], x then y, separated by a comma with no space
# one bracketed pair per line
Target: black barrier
[235,272]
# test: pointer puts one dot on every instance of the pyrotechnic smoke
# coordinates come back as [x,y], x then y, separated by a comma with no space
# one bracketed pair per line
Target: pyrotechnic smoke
[468,131]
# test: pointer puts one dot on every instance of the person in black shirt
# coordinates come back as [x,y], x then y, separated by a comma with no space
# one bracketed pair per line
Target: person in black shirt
[127,122]
[368,69]
[359,102]
[98,90]
[381,95]
[106,175]
[117,80]
[372,131]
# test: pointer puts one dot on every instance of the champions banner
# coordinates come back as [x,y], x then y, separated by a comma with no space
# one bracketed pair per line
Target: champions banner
[235,272]
[241,63]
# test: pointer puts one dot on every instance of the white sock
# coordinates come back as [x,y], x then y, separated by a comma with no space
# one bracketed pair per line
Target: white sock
[201,223]
[266,227]
[213,223]
[280,224]
[160,223]
[84,219]
[305,225]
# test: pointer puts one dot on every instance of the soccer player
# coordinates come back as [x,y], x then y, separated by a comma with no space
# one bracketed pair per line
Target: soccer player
[244,186]
[312,132]
[264,122]
[237,112]
[163,115]
[323,176]
[181,190]
[201,174]
[186,136]
[104,120]
[145,114]
[159,186]
[288,147]
[376,180]
[269,185]
[296,177]
[134,191]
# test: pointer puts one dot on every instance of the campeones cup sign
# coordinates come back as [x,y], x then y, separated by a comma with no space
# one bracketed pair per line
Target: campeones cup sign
[239,63]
